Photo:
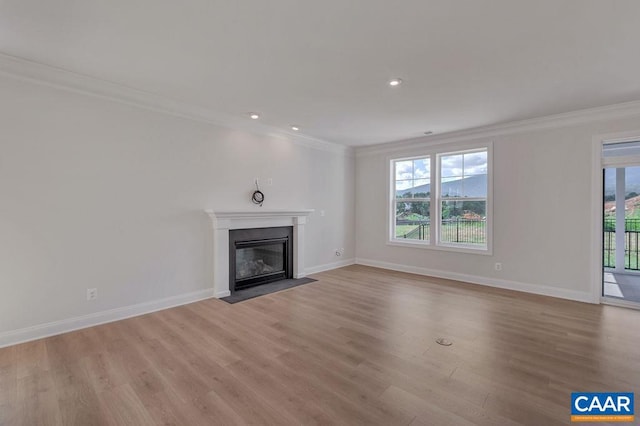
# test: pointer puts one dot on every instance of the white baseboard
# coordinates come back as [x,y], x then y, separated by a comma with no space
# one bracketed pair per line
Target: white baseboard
[221,294]
[39,331]
[578,296]
[329,266]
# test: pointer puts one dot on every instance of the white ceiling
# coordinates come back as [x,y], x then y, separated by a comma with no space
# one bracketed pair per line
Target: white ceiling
[324,65]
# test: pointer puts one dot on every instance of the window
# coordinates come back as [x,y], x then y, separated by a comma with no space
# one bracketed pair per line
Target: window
[462,200]
[455,194]
[412,200]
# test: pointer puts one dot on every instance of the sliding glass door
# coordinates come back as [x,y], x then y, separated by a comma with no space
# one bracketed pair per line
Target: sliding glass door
[621,222]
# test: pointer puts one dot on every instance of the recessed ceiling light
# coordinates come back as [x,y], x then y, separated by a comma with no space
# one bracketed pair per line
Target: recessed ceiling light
[395,82]
[294,127]
[254,116]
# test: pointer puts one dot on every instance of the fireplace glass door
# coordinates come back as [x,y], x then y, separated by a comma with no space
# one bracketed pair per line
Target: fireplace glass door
[260,256]
[260,260]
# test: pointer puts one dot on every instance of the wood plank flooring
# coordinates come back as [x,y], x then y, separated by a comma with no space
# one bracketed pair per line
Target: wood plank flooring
[355,347]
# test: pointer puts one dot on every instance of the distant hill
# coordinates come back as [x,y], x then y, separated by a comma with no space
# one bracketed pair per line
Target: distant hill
[474,186]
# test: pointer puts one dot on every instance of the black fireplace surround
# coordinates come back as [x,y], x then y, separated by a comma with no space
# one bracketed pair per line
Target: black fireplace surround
[259,256]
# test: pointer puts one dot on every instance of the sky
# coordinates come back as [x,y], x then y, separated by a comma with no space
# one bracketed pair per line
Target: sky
[632,180]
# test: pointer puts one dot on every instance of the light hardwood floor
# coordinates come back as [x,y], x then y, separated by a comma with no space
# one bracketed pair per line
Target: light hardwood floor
[356,347]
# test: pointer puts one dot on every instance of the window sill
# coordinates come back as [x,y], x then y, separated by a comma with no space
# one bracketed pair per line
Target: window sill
[485,251]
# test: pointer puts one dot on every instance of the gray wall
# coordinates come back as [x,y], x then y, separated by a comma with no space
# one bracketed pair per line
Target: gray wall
[542,211]
[101,194]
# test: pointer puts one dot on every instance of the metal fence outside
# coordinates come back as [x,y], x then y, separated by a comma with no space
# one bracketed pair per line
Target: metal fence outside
[452,230]
[459,230]
[420,232]
[631,243]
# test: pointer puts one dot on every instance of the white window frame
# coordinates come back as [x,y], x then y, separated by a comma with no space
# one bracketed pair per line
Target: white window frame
[393,200]
[435,200]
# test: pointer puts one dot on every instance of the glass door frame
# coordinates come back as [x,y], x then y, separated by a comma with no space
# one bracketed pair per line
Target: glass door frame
[597,237]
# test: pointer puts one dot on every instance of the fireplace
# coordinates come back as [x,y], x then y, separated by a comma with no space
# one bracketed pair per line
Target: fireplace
[224,222]
[259,256]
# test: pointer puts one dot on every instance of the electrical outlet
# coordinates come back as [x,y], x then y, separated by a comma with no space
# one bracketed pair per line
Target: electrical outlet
[270,181]
[498,266]
[321,212]
[92,293]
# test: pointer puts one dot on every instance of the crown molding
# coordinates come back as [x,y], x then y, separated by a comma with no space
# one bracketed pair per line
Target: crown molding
[610,112]
[59,78]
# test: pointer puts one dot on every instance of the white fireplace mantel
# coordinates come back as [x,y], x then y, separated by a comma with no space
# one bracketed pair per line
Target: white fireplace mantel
[223,221]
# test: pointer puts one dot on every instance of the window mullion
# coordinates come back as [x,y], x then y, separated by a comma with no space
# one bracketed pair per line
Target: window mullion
[464,199]
[435,193]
